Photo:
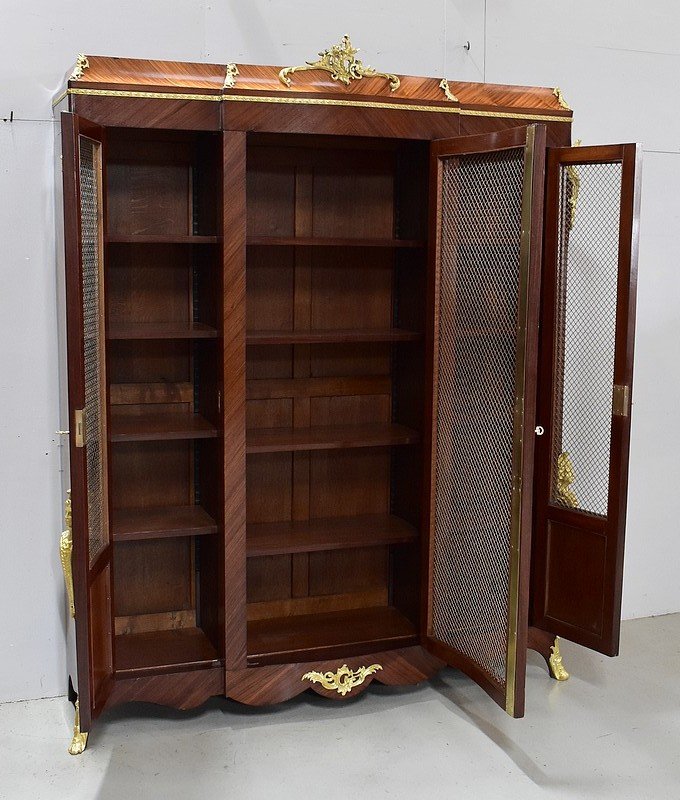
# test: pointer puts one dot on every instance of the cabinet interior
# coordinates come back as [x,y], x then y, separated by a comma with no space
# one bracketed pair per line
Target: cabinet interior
[164,367]
[335,287]
[335,284]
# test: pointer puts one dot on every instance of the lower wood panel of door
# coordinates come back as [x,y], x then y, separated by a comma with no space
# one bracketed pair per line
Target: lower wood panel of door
[275,683]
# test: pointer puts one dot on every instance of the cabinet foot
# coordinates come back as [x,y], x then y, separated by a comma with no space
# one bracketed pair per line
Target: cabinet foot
[548,645]
[557,669]
[79,741]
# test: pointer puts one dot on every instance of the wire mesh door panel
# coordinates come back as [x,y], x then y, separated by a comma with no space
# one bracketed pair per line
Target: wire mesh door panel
[591,230]
[91,563]
[585,334]
[479,363]
[94,409]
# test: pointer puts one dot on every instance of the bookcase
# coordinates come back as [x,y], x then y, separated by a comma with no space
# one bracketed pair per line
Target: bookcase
[321,373]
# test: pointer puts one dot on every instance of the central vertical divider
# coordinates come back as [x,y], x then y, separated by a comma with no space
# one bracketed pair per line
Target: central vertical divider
[302,367]
[233,230]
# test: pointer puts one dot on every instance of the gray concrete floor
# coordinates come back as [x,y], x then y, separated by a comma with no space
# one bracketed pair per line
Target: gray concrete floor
[611,731]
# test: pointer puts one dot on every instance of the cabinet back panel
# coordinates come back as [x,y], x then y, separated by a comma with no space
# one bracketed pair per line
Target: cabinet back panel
[148,474]
[269,487]
[162,182]
[153,576]
[338,571]
[149,361]
[149,284]
[149,198]
[351,289]
[353,204]
[318,604]
[350,359]
[268,361]
[325,361]
[269,578]
[348,482]
[350,410]
[275,413]
[270,287]
[270,196]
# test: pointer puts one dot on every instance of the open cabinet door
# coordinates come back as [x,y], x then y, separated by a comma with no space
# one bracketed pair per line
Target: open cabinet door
[586,370]
[486,220]
[84,182]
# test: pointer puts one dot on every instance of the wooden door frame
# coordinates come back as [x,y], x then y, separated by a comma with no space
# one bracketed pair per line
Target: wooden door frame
[84,573]
[532,139]
[611,527]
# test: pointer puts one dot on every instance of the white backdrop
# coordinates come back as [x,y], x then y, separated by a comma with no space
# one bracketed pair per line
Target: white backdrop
[617,65]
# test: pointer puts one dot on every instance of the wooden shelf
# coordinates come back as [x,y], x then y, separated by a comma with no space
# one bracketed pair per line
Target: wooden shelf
[133,524]
[159,426]
[341,633]
[315,241]
[149,238]
[336,533]
[332,336]
[161,330]
[164,651]
[328,437]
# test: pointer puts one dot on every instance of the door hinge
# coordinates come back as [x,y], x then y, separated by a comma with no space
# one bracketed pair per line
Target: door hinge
[621,401]
[79,419]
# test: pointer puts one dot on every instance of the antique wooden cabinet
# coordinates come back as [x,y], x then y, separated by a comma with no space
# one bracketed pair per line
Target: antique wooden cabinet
[349,362]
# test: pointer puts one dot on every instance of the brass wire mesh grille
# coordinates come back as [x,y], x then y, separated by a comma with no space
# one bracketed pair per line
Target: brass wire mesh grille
[587,274]
[479,258]
[95,454]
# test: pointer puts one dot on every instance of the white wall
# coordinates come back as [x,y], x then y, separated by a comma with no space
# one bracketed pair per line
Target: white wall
[617,65]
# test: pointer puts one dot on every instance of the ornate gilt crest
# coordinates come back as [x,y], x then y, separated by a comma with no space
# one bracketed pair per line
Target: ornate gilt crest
[341,63]
[342,681]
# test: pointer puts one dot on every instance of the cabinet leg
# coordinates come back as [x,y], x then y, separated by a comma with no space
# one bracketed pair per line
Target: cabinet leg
[557,669]
[79,741]
[549,647]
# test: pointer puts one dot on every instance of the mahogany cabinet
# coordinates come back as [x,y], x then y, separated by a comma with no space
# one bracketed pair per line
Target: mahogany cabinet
[348,360]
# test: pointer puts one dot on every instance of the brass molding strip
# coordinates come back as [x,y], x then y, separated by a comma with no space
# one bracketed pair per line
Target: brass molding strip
[324,101]
[59,98]
[311,101]
[147,95]
[518,422]
[508,115]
